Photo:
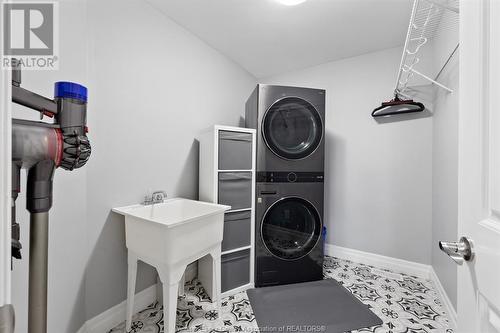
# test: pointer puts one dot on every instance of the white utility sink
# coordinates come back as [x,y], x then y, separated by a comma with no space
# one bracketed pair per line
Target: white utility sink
[173,229]
[169,236]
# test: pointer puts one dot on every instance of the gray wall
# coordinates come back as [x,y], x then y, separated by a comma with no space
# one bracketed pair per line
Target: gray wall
[154,87]
[68,221]
[445,160]
[378,175]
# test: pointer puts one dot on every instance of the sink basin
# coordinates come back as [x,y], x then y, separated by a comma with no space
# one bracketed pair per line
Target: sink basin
[172,212]
[173,230]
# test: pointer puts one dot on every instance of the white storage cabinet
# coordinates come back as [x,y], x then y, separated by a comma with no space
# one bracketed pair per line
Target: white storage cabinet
[227,176]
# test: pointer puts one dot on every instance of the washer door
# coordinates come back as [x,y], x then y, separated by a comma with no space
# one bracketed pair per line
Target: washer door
[292,128]
[291,228]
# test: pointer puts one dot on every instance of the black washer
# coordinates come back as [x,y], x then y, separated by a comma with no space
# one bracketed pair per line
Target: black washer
[291,228]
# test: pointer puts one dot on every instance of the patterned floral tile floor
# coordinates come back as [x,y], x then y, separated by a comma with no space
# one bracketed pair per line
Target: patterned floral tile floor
[406,304]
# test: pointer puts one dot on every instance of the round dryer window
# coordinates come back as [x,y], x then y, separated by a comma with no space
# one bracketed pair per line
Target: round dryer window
[292,128]
[291,228]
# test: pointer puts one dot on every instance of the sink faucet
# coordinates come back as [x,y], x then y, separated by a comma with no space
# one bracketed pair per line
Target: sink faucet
[156,197]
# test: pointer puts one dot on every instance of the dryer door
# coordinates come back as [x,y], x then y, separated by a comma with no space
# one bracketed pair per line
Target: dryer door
[291,228]
[292,128]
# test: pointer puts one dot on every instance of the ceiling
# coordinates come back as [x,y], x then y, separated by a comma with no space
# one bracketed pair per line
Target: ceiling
[267,38]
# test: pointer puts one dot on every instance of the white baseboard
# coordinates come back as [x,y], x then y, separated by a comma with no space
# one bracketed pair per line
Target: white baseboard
[448,305]
[380,261]
[105,321]
[397,265]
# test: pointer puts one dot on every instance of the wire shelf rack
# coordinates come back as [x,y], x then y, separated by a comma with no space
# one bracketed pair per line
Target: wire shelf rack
[429,20]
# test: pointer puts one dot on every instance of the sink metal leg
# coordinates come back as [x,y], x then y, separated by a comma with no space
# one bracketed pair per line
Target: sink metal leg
[170,306]
[216,269]
[170,278]
[208,270]
[181,284]
[132,276]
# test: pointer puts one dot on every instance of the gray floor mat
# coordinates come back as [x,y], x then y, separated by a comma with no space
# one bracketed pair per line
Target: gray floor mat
[319,306]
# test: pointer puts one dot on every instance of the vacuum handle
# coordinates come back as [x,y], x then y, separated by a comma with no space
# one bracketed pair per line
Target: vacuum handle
[28,98]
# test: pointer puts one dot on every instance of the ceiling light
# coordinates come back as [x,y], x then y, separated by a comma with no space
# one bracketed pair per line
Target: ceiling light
[291,2]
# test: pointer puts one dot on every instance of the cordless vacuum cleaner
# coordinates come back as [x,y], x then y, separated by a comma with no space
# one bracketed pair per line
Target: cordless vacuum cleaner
[40,148]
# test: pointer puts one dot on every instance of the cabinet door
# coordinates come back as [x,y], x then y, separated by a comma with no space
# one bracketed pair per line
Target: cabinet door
[235,150]
[237,230]
[235,270]
[235,189]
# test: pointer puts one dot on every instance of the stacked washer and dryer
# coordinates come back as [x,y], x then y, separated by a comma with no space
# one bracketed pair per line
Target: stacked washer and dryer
[290,124]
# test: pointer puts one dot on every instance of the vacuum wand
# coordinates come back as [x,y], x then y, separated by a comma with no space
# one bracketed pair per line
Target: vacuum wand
[40,148]
[38,272]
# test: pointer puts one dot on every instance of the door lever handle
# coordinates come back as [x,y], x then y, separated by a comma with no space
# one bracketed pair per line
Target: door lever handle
[460,251]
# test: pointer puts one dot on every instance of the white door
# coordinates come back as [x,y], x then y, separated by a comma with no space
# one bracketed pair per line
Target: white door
[479,165]
[5,190]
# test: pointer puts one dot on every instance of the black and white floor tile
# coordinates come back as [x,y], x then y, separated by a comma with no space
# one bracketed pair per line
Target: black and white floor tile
[406,304]
[196,313]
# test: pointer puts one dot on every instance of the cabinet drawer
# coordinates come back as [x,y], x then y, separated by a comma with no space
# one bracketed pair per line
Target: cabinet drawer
[235,150]
[235,270]
[237,231]
[235,189]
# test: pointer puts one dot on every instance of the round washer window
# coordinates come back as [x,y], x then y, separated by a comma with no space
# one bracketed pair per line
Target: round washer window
[291,228]
[292,128]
